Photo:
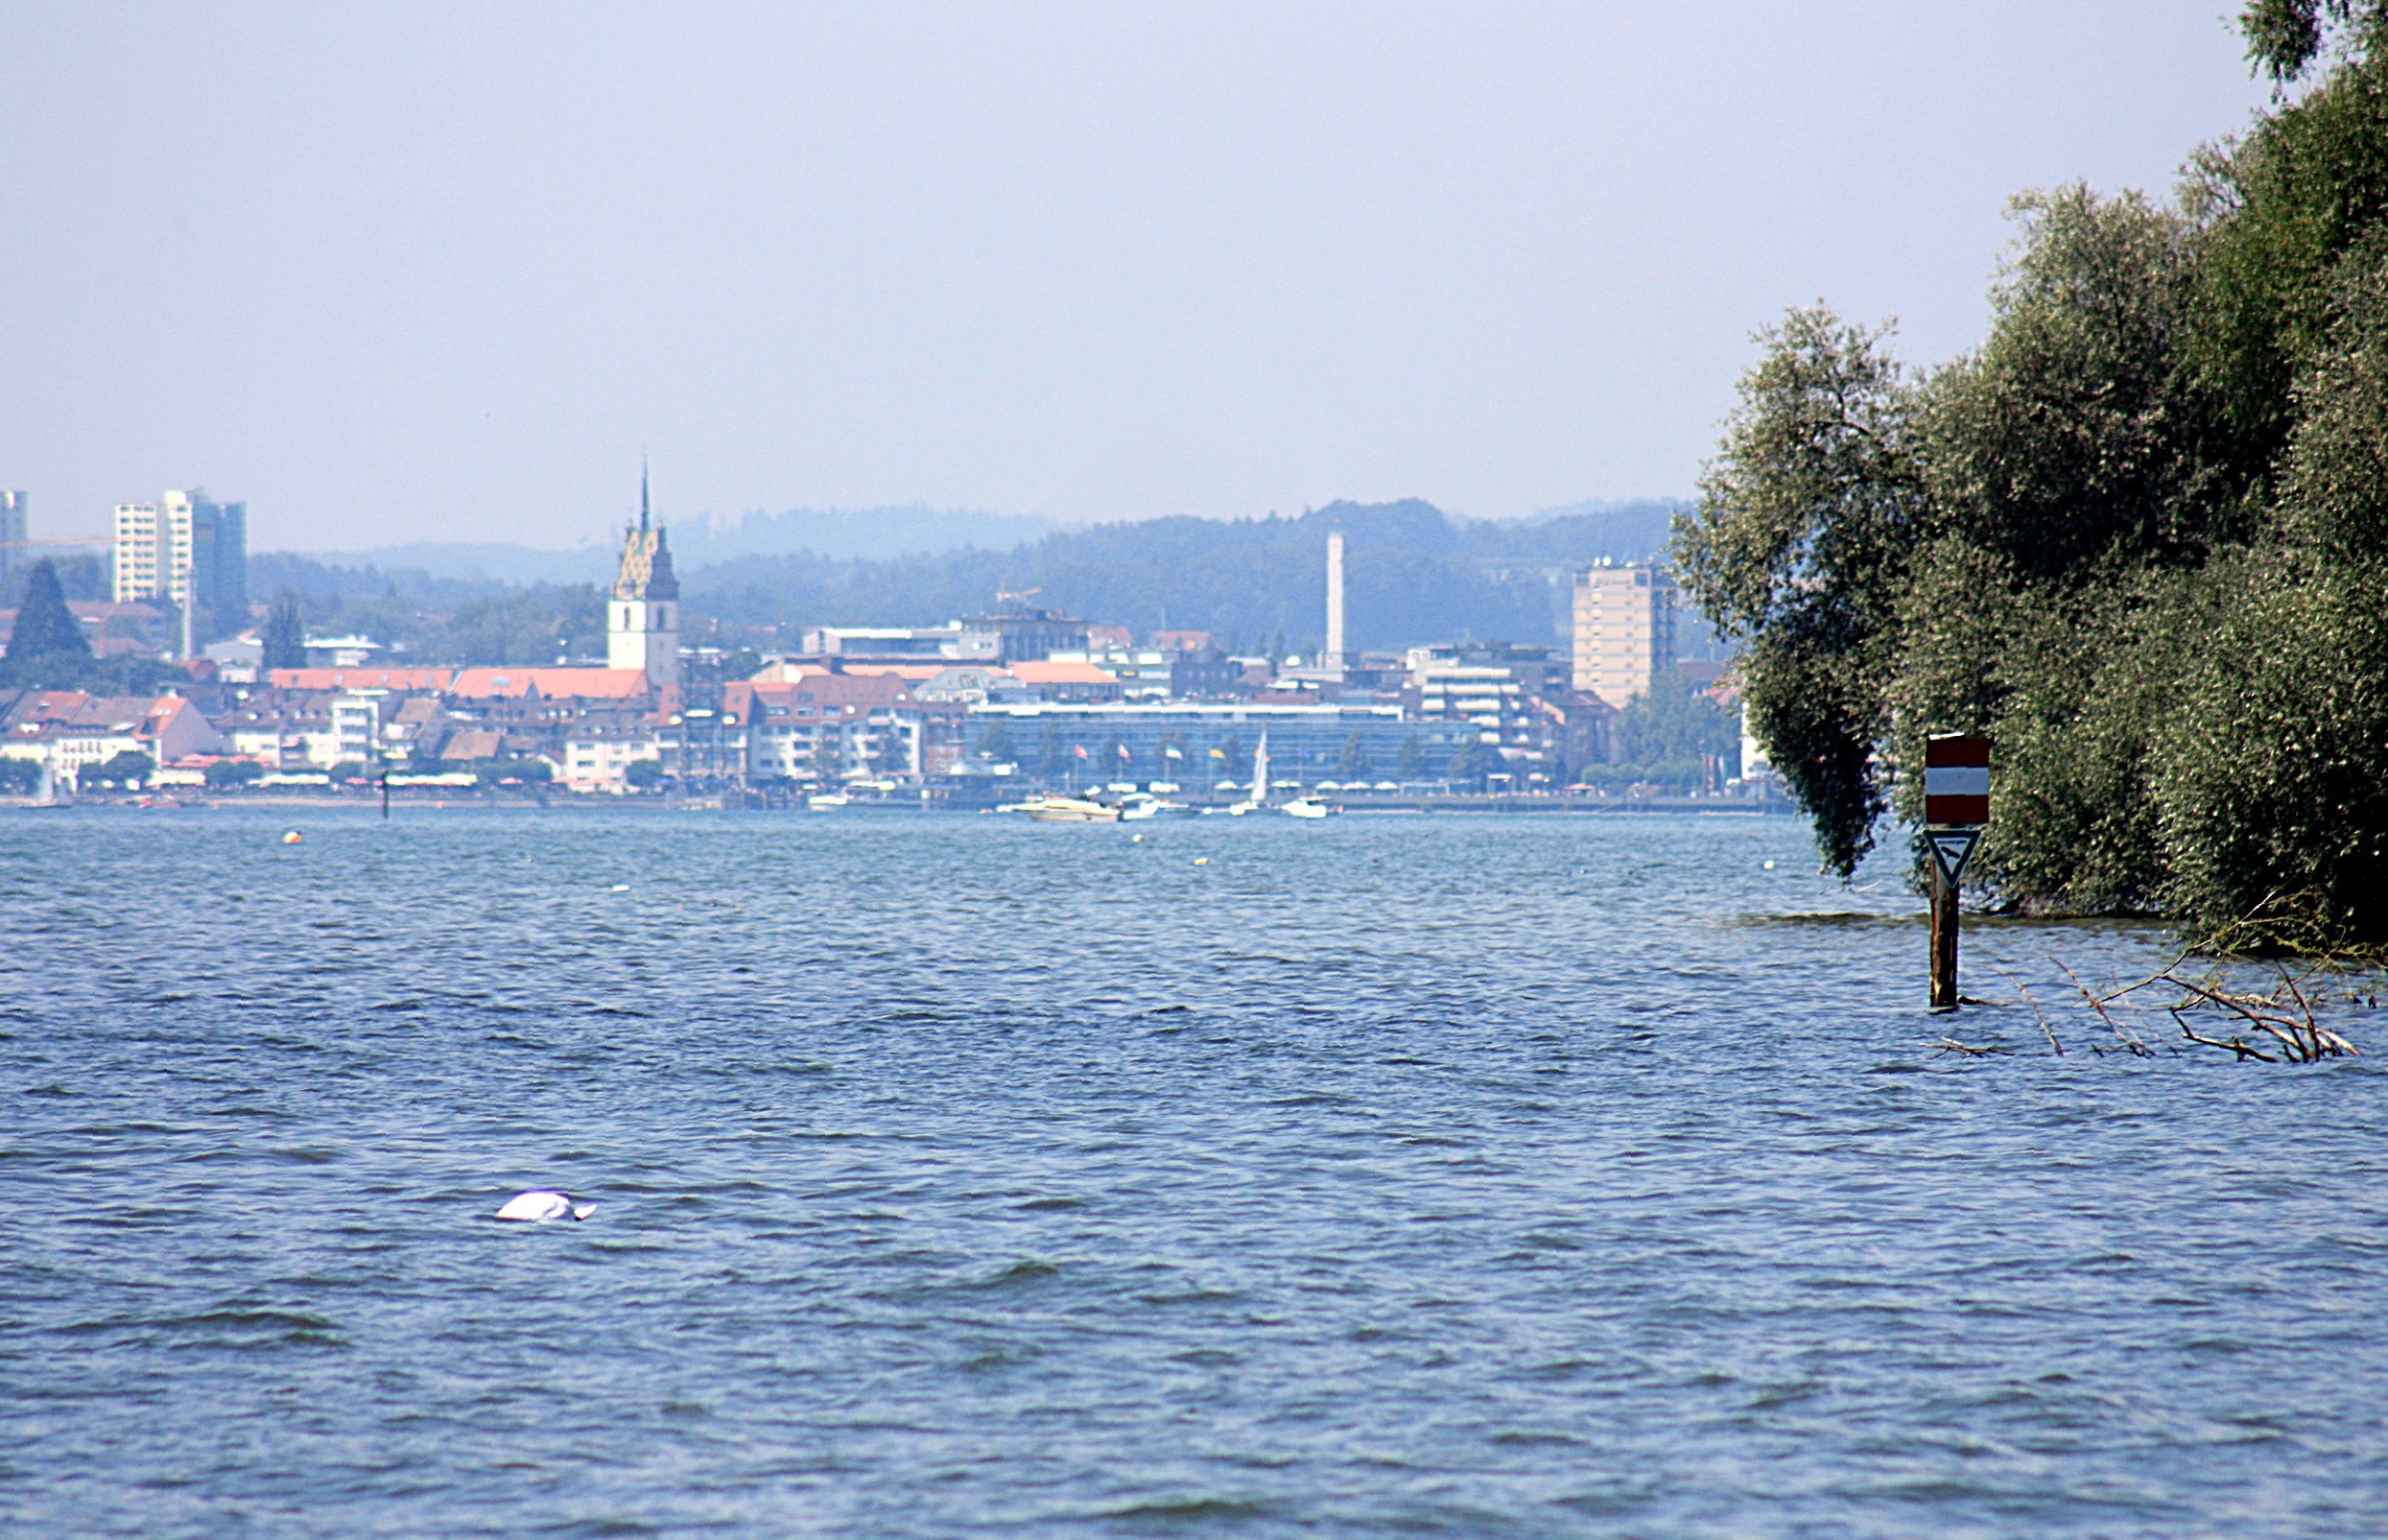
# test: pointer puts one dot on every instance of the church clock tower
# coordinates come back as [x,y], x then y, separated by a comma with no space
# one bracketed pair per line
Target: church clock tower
[643,618]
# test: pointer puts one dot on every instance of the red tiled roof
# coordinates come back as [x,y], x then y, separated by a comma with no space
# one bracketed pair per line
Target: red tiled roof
[553,684]
[362,678]
[1062,673]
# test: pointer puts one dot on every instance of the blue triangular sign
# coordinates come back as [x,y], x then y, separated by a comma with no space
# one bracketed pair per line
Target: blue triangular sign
[1951,849]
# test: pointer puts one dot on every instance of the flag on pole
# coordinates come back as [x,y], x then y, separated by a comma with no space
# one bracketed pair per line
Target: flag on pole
[1173,751]
[1219,754]
[1125,756]
[1081,751]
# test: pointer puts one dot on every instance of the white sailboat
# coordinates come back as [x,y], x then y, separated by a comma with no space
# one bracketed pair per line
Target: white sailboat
[1257,797]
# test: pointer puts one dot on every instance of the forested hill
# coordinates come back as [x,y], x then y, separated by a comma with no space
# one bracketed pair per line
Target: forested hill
[1413,573]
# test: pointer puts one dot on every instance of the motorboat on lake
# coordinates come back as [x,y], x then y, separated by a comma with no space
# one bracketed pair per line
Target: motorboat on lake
[1069,809]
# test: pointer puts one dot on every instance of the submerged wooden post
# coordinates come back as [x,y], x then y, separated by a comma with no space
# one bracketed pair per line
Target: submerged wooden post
[1943,940]
[1957,804]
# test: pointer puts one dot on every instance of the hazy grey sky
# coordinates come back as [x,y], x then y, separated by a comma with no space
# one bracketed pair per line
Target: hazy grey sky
[397,272]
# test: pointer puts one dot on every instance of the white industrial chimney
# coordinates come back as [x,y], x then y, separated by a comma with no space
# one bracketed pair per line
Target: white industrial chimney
[1334,600]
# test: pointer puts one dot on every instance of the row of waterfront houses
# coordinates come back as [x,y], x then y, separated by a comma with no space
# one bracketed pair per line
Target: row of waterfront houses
[1023,692]
[808,723]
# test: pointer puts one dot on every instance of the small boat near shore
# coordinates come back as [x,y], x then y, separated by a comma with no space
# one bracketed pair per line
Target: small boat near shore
[1069,809]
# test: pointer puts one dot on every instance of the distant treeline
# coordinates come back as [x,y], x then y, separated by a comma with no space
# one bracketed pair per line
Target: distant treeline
[2139,538]
[1413,574]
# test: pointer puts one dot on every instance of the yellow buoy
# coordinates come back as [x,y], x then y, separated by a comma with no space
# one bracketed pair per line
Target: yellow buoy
[1202,860]
[291,838]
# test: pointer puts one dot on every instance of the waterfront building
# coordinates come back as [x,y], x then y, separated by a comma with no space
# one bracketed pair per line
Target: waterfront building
[357,729]
[1624,630]
[642,617]
[69,731]
[1201,743]
[828,728]
[897,643]
[597,755]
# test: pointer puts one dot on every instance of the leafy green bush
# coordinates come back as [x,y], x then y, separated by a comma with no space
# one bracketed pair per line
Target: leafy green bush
[2139,536]
[124,768]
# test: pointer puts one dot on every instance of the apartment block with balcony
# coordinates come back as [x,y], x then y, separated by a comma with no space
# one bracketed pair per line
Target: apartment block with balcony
[1624,630]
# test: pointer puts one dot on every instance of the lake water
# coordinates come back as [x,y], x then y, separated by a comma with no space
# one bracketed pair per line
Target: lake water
[1463,1176]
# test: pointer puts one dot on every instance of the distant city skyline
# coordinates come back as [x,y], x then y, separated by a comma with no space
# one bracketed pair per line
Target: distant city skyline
[440,276]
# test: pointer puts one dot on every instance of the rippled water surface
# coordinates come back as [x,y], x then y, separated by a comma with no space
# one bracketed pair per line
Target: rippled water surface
[1431,1176]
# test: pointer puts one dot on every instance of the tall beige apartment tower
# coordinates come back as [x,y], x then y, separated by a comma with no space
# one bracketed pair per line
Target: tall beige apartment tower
[1624,628]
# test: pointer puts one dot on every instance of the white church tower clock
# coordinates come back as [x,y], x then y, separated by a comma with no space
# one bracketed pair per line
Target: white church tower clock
[643,618]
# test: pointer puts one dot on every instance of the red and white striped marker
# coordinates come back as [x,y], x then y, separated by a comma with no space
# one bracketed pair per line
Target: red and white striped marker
[1956,781]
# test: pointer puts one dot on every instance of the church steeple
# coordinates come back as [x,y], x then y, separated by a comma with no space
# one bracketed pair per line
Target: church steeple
[642,623]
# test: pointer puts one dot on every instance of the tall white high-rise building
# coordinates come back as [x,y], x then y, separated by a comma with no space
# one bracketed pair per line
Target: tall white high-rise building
[643,617]
[185,549]
[1624,630]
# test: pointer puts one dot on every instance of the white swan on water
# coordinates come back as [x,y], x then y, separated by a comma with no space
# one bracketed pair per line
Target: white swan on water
[540,1207]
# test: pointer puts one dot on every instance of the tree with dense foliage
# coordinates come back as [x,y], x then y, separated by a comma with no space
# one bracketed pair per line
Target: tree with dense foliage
[537,626]
[46,646]
[226,775]
[1469,763]
[2139,536]
[1355,763]
[283,643]
[643,774]
[1675,720]
[127,767]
